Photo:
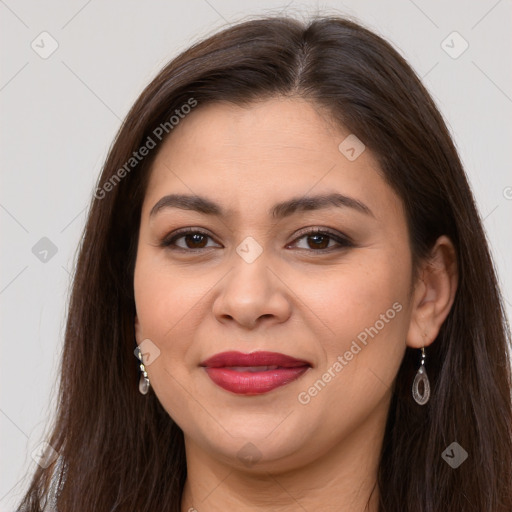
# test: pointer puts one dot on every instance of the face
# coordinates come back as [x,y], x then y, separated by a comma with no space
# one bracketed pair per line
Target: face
[251,276]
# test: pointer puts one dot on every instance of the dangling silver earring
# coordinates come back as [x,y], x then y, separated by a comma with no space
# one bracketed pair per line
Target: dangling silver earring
[421,377]
[144,380]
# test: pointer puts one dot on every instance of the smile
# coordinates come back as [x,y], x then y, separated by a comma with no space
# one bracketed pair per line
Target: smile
[254,373]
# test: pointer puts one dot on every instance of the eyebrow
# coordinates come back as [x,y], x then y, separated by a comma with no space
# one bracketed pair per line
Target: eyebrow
[278,211]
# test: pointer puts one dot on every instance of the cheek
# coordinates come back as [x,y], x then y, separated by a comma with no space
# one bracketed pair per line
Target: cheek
[354,297]
[161,301]
[170,309]
[365,308]
[164,306]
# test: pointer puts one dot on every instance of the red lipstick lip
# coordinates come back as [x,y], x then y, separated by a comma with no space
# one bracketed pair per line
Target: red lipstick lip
[224,370]
[260,358]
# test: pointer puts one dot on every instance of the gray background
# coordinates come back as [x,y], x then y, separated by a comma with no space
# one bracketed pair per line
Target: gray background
[60,114]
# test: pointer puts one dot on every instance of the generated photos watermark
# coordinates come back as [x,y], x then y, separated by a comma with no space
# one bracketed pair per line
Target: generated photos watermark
[137,156]
[305,397]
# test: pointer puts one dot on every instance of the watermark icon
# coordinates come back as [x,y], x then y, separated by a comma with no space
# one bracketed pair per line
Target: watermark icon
[249,249]
[507,193]
[149,352]
[44,250]
[454,455]
[44,454]
[249,454]
[137,156]
[304,397]
[454,45]
[45,45]
[351,147]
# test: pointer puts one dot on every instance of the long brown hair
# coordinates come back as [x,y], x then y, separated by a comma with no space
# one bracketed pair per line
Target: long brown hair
[121,450]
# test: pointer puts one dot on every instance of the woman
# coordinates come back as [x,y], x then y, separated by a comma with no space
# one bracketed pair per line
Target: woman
[284,236]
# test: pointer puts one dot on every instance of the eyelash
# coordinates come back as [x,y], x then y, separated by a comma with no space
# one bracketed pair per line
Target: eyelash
[343,241]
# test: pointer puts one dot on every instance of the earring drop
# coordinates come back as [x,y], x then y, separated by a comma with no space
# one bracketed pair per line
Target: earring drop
[144,380]
[421,398]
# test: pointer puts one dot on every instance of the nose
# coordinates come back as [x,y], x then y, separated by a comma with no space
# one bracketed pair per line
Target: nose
[252,294]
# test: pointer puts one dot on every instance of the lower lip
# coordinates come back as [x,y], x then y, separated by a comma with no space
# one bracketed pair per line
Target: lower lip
[254,383]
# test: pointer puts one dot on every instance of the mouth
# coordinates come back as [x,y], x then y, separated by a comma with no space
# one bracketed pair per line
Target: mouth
[254,373]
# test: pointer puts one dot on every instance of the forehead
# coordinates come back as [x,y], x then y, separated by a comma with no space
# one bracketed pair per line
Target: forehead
[269,129]
[261,153]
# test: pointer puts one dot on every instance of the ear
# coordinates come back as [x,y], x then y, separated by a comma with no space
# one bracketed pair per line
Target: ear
[138,331]
[433,294]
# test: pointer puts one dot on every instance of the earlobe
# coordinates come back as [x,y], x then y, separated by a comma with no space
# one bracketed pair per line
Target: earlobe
[138,334]
[434,294]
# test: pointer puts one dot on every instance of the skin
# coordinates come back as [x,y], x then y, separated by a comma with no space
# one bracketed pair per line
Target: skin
[294,299]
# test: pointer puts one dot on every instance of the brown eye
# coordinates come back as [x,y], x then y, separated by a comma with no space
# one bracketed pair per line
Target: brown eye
[195,241]
[318,241]
[192,240]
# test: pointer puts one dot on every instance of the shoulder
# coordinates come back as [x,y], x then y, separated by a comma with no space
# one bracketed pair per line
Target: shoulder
[57,481]
[58,478]
[49,502]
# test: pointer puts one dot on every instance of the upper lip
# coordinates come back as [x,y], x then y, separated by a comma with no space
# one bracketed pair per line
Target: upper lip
[226,359]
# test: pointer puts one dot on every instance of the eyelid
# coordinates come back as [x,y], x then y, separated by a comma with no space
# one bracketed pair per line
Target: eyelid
[175,235]
[321,230]
[340,238]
